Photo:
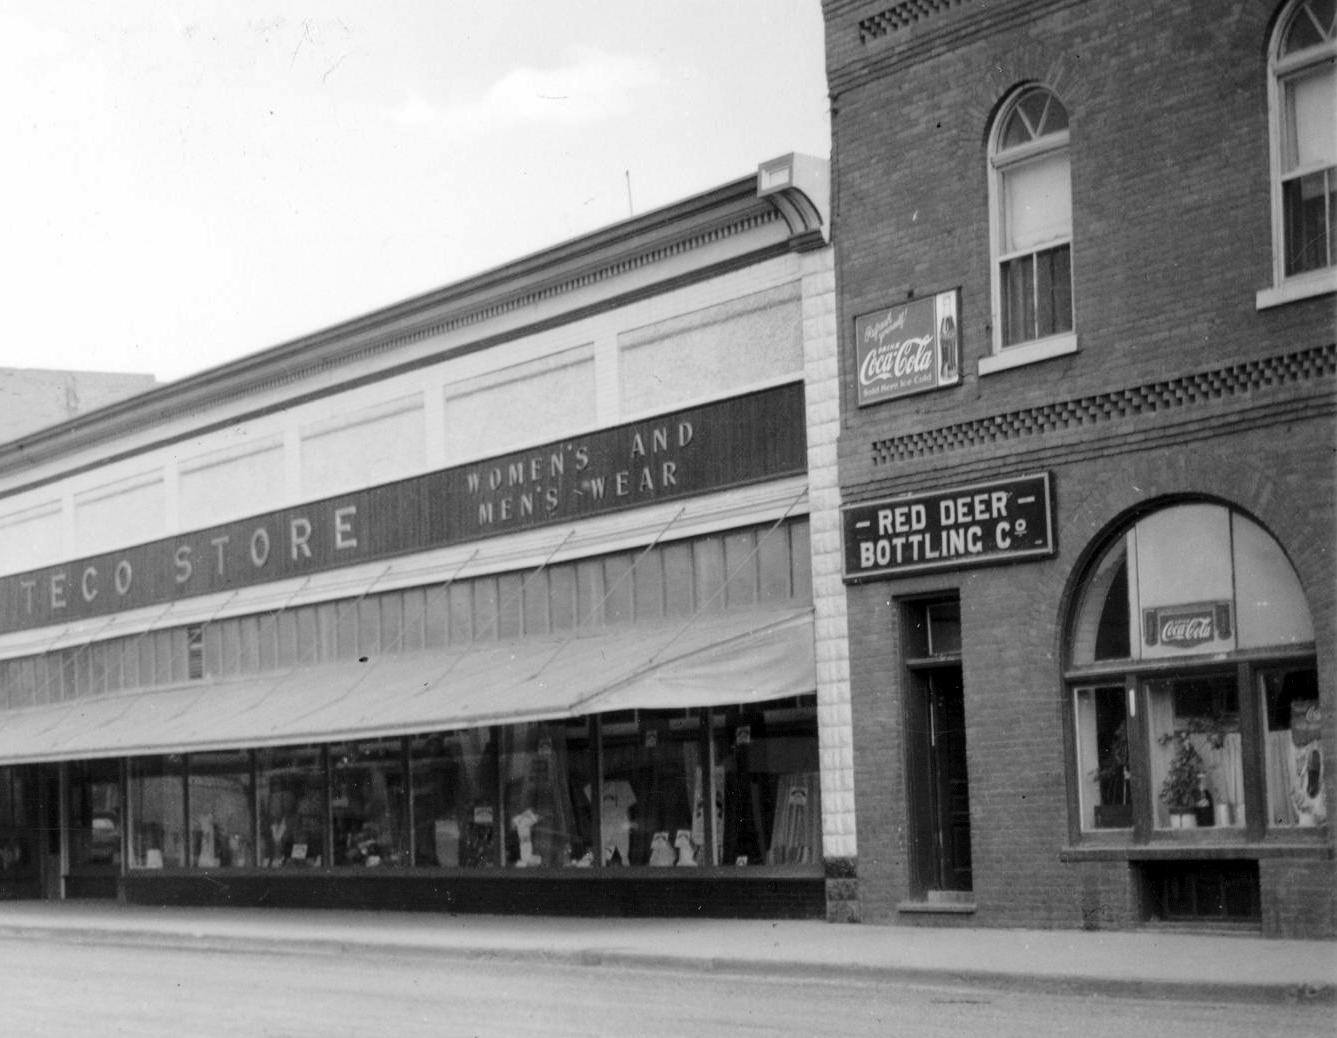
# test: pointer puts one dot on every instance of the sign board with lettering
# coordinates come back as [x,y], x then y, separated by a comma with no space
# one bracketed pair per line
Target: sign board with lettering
[908,348]
[980,524]
[1188,626]
[746,439]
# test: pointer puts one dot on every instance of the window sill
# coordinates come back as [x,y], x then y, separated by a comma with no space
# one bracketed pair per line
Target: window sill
[1303,286]
[1029,353]
[936,907]
[1173,850]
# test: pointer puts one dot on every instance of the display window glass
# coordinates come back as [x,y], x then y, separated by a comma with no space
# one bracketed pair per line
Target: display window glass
[18,821]
[545,771]
[455,787]
[291,783]
[369,803]
[157,809]
[654,788]
[1195,702]
[222,810]
[767,784]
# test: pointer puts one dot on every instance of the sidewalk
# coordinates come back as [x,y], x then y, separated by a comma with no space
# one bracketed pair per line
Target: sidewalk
[1143,964]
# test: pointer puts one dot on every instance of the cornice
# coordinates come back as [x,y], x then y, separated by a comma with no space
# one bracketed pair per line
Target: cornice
[886,56]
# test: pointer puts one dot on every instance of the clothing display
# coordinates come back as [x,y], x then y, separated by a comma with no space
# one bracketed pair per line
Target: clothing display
[797,832]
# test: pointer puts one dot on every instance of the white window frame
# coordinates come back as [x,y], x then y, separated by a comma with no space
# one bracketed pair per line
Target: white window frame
[1312,282]
[1045,347]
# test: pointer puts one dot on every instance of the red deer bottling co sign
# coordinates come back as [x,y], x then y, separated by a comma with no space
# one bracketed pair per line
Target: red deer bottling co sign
[965,526]
[908,348]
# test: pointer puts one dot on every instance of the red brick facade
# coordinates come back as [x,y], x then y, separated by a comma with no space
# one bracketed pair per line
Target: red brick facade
[1182,387]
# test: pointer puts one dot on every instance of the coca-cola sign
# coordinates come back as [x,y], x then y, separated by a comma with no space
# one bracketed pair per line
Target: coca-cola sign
[908,348]
[1186,627]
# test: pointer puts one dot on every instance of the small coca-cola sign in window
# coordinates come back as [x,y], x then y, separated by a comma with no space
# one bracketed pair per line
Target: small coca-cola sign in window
[908,348]
[1186,627]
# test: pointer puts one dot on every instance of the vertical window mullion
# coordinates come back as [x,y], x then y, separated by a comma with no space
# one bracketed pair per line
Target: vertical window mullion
[1252,734]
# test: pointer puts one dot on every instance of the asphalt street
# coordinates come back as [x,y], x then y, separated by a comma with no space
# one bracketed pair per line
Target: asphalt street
[68,985]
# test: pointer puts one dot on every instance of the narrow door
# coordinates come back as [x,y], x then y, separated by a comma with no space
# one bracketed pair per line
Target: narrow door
[939,788]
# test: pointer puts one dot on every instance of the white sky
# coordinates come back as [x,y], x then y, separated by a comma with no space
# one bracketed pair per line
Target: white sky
[186,182]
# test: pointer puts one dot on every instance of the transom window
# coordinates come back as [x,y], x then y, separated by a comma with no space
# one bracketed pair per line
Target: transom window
[1031,199]
[1304,143]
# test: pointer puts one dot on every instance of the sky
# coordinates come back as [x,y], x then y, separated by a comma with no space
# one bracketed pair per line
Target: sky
[189,182]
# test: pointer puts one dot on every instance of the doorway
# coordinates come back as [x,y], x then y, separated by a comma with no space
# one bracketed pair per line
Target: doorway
[937,783]
[939,786]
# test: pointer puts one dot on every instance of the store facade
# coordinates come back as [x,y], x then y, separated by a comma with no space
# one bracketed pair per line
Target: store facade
[504,598]
[1086,461]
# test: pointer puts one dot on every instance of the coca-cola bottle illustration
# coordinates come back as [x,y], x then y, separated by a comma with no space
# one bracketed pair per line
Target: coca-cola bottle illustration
[948,348]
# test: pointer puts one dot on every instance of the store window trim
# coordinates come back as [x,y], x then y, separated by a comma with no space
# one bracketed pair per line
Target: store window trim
[1193,749]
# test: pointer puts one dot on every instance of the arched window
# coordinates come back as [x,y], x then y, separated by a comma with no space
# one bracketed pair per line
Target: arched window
[1194,693]
[1031,230]
[1303,104]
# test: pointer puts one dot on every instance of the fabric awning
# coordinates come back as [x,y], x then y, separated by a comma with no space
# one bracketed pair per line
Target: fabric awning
[741,656]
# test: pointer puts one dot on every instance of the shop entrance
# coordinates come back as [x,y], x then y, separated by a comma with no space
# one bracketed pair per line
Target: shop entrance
[939,788]
[935,753]
[93,818]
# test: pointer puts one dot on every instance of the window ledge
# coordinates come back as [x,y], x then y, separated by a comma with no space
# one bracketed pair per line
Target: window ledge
[1029,353]
[1169,850]
[936,907]
[1303,286]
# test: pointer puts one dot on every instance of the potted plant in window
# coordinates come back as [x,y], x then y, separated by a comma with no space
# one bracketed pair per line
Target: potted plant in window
[1179,791]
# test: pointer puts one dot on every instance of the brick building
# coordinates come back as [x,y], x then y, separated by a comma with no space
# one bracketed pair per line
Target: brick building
[1085,257]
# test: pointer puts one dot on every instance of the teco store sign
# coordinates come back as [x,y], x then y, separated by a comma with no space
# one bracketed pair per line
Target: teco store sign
[965,526]
[715,446]
[907,349]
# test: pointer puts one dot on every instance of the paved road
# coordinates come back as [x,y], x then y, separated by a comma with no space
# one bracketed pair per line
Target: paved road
[58,987]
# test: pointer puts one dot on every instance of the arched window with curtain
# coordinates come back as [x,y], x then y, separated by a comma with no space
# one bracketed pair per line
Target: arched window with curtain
[1302,79]
[1031,228]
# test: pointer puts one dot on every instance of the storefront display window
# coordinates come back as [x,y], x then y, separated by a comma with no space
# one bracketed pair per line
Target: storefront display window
[94,814]
[222,810]
[157,813]
[1194,692]
[767,779]
[18,820]
[1293,753]
[547,814]
[292,806]
[455,799]
[654,789]
[369,803]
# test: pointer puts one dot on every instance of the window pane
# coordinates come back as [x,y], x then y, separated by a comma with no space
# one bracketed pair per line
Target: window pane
[222,810]
[369,804]
[455,799]
[546,766]
[1053,292]
[1037,202]
[1309,207]
[1312,23]
[1106,784]
[654,793]
[1293,749]
[1197,768]
[767,760]
[292,806]
[157,813]
[1311,101]
[95,813]
[1017,285]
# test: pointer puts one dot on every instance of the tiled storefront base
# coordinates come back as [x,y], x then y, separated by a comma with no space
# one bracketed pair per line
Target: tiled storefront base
[842,890]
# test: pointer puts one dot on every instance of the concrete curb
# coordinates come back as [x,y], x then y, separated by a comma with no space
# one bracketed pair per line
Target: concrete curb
[1074,982]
